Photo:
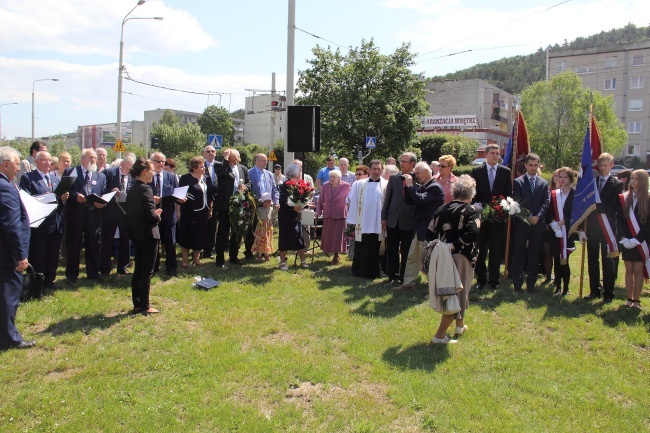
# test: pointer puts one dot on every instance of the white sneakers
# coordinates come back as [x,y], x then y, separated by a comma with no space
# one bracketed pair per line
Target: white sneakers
[445,340]
[460,331]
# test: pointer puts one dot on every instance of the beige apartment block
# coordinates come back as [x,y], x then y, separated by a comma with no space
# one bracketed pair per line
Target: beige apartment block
[621,71]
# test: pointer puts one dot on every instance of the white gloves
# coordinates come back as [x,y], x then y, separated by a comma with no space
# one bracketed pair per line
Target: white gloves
[582,236]
[629,243]
[556,228]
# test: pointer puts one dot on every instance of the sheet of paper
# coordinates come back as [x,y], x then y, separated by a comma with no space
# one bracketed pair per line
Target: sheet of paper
[36,211]
[181,192]
[46,198]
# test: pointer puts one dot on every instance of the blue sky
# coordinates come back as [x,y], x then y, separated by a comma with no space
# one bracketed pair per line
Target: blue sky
[229,46]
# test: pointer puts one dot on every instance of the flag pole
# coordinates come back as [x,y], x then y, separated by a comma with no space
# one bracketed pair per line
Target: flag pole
[584,224]
[513,165]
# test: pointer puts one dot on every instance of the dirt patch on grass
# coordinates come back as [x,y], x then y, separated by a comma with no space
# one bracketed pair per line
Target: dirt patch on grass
[278,338]
[59,374]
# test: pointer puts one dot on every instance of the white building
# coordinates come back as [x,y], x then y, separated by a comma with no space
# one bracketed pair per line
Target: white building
[264,118]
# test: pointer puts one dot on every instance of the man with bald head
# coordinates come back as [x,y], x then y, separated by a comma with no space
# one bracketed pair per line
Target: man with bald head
[83,220]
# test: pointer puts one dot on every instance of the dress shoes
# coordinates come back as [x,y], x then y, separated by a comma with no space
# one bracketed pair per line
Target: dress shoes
[235,262]
[518,290]
[607,300]
[479,286]
[494,287]
[150,310]
[404,288]
[592,296]
[172,273]
[220,265]
[249,255]
[26,344]
[531,290]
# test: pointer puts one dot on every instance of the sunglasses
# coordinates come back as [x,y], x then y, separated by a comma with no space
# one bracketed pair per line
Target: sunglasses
[443,166]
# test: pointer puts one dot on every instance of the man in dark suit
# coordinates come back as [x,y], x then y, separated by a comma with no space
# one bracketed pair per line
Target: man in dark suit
[45,240]
[609,187]
[231,177]
[211,165]
[492,180]
[118,180]
[83,220]
[14,245]
[531,191]
[427,197]
[262,181]
[163,185]
[397,220]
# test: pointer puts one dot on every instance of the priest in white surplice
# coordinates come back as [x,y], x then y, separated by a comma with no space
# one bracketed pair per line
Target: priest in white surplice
[366,200]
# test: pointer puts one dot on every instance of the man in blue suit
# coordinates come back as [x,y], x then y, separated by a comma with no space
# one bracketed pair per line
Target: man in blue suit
[45,243]
[82,220]
[14,245]
[163,185]
[118,180]
[262,181]
[531,191]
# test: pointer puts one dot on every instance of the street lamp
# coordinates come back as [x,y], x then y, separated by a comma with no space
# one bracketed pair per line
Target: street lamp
[118,128]
[33,84]
[2,105]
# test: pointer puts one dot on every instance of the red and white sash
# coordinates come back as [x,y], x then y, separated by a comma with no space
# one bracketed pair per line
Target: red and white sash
[606,228]
[558,211]
[634,227]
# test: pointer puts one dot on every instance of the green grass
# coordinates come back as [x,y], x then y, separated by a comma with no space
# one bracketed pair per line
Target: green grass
[321,351]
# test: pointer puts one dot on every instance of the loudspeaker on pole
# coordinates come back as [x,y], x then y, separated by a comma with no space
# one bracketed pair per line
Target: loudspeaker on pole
[303,128]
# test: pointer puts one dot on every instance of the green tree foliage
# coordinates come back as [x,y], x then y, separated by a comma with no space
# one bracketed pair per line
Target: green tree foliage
[364,93]
[556,114]
[172,140]
[430,145]
[240,113]
[170,119]
[462,148]
[216,120]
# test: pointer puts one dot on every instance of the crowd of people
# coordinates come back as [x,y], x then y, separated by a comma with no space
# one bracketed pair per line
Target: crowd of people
[395,223]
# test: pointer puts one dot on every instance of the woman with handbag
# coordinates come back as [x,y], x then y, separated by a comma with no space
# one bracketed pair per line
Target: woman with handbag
[456,224]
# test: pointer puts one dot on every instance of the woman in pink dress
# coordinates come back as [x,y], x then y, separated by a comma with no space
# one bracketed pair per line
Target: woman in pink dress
[445,177]
[331,206]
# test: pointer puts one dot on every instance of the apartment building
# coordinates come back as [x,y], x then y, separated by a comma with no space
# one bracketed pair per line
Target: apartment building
[618,70]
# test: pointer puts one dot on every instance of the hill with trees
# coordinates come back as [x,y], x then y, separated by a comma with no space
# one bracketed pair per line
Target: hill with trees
[513,74]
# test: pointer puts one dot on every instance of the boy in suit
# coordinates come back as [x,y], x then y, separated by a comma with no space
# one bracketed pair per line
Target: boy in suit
[531,191]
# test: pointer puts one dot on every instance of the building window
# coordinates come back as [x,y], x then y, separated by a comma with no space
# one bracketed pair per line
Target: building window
[634,127]
[585,70]
[611,62]
[610,84]
[560,66]
[636,83]
[633,150]
[636,104]
[638,60]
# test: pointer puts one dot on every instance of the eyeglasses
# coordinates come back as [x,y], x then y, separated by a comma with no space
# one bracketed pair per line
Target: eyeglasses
[443,166]
[158,161]
[359,174]
[210,151]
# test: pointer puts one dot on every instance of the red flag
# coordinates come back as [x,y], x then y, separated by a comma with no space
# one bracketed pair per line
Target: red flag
[596,144]
[523,146]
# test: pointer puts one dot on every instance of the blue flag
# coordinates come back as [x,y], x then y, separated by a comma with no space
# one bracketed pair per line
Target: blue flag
[584,201]
[508,156]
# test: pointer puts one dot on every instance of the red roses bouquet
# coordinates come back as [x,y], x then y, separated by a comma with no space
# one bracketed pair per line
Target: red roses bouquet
[299,191]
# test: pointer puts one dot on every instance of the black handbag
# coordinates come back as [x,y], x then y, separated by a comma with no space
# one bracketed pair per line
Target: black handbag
[33,284]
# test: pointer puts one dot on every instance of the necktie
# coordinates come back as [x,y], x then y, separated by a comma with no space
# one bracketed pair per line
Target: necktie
[158,185]
[88,182]
[46,178]
[491,177]
[122,188]
[532,185]
[601,183]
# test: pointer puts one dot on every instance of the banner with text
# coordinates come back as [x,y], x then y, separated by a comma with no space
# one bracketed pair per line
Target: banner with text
[454,121]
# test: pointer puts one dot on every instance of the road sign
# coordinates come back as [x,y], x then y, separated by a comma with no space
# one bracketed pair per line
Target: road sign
[272,156]
[119,146]
[215,141]
[371,142]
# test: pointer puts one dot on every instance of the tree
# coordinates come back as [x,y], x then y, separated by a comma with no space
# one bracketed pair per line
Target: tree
[557,117]
[462,148]
[169,118]
[240,113]
[172,140]
[216,120]
[364,93]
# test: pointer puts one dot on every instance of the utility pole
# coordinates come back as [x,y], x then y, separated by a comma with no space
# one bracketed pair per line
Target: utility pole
[291,37]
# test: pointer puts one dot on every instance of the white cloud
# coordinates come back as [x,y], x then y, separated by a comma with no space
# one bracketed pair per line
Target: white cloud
[63,27]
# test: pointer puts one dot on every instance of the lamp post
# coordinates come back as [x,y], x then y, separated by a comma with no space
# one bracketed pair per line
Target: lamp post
[2,105]
[118,128]
[33,84]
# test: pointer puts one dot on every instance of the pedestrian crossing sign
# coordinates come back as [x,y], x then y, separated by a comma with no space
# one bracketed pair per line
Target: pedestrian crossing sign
[215,141]
[371,142]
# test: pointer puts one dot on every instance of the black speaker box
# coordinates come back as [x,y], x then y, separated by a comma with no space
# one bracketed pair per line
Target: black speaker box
[303,128]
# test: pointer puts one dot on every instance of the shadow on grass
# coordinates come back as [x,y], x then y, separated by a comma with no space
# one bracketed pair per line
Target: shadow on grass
[85,324]
[422,356]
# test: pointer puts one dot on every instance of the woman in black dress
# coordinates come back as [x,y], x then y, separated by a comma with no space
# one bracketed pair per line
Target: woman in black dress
[632,226]
[143,227]
[195,212]
[290,230]
[457,223]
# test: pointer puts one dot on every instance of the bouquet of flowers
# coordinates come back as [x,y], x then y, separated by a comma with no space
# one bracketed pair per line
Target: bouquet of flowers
[241,211]
[300,192]
[501,207]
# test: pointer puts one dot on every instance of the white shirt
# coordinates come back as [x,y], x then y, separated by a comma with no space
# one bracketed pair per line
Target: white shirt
[373,200]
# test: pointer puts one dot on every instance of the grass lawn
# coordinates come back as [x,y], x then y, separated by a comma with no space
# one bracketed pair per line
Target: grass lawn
[321,351]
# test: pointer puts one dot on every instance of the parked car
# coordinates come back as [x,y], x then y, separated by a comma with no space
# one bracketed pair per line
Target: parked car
[478,161]
[616,169]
